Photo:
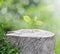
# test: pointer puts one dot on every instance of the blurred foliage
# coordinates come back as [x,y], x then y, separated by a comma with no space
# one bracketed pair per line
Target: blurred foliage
[12,12]
[5,46]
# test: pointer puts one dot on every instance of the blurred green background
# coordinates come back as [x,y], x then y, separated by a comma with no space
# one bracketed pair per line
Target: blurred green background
[12,12]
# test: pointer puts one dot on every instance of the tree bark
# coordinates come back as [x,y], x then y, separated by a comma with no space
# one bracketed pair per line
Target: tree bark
[38,42]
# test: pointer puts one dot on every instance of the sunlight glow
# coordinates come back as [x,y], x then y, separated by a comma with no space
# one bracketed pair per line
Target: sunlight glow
[57,8]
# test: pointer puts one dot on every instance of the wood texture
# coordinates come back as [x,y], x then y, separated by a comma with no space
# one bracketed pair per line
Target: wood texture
[34,44]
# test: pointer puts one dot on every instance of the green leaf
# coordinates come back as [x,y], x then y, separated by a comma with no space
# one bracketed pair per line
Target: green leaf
[38,22]
[1,1]
[28,19]
[35,19]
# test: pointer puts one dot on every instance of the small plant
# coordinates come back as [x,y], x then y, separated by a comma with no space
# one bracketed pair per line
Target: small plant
[32,22]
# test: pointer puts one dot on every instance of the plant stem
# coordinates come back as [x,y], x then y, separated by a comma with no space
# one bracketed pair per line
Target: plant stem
[32,30]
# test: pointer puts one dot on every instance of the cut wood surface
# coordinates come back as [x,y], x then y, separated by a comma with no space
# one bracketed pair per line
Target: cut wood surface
[36,42]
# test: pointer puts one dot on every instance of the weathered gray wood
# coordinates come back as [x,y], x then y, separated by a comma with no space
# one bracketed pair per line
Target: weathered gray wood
[38,42]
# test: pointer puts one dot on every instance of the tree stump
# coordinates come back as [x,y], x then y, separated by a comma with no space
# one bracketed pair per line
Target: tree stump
[36,42]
